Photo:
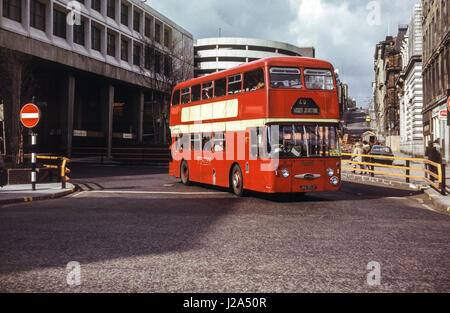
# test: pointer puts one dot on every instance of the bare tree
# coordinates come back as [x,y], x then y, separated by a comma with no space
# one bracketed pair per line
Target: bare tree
[167,67]
[17,83]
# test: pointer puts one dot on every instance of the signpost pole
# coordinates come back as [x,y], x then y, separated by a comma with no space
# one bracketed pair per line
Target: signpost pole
[33,154]
[33,159]
[29,116]
[2,120]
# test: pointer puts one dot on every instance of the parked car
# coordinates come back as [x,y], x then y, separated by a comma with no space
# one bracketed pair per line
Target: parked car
[383,151]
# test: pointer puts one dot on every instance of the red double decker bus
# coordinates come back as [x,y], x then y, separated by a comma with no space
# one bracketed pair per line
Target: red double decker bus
[268,126]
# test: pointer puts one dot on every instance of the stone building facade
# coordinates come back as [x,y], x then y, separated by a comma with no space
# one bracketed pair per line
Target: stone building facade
[410,87]
[101,71]
[387,66]
[436,72]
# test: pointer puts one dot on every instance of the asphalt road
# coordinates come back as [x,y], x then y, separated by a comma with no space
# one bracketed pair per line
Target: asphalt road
[135,229]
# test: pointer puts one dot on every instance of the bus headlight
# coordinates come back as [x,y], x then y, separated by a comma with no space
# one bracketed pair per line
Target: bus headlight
[330,172]
[334,181]
[285,173]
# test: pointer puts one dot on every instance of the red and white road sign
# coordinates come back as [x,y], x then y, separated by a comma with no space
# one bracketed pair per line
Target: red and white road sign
[30,115]
[448,103]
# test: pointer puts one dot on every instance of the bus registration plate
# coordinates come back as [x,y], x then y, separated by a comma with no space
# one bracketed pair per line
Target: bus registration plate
[310,187]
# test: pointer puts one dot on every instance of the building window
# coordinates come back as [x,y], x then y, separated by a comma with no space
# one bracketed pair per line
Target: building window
[167,36]
[136,21]
[37,16]
[95,4]
[111,45]
[148,57]
[167,66]
[96,38]
[158,62]
[137,55]
[158,32]
[12,9]
[59,24]
[147,30]
[124,50]
[111,9]
[78,33]
[124,14]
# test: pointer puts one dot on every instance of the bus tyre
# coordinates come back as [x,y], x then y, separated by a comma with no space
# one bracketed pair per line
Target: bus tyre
[184,173]
[237,181]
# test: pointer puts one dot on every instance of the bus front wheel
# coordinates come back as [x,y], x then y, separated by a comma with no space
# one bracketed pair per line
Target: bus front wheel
[184,173]
[237,181]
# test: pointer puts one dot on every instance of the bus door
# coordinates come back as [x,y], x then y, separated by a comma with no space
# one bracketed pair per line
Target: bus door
[207,159]
[218,168]
[256,177]
[195,165]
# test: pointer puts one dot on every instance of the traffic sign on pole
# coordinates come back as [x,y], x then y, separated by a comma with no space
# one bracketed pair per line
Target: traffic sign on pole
[30,115]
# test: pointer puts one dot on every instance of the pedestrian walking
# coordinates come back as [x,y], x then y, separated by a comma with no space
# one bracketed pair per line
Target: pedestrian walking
[366,148]
[435,156]
[358,158]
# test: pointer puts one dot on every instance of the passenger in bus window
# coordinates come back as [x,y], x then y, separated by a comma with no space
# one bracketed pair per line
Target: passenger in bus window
[206,94]
[218,147]
[260,85]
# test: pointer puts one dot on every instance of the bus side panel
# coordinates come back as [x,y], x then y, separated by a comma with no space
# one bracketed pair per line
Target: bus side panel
[195,166]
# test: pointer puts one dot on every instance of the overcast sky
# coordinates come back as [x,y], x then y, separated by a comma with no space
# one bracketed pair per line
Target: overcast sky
[343,32]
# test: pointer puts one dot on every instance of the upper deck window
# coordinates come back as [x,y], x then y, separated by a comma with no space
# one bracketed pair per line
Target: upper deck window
[196,90]
[207,90]
[254,80]
[176,97]
[185,95]
[220,87]
[285,77]
[234,84]
[318,79]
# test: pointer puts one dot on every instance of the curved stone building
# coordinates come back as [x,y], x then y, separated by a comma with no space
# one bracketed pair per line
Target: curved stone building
[216,54]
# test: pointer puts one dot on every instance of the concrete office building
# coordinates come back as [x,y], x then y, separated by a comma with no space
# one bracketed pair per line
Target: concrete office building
[216,54]
[104,81]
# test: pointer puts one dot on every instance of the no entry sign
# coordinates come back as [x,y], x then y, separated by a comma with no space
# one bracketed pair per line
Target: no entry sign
[30,115]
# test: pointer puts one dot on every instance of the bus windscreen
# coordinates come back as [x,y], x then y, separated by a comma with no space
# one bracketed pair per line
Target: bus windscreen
[302,141]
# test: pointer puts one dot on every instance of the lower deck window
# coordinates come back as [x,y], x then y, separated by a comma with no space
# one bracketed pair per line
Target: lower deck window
[302,141]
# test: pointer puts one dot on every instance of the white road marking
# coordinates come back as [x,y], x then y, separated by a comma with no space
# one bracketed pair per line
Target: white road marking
[77,194]
[430,208]
[157,192]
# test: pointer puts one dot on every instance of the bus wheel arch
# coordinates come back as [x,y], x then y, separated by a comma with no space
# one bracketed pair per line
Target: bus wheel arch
[236,180]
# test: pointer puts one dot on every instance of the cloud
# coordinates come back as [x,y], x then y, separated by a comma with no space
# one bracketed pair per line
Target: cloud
[338,29]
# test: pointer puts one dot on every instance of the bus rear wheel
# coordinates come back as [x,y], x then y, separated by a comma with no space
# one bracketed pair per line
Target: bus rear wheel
[237,181]
[184,169]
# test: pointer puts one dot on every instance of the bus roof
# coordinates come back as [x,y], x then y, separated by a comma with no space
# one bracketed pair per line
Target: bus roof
[279,61]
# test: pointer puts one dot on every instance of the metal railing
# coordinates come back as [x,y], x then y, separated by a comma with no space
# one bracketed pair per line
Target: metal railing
[146,154]
[429,175]
[61,166]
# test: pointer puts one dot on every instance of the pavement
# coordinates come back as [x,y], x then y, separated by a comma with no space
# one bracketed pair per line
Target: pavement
[23,193]
[440,202]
